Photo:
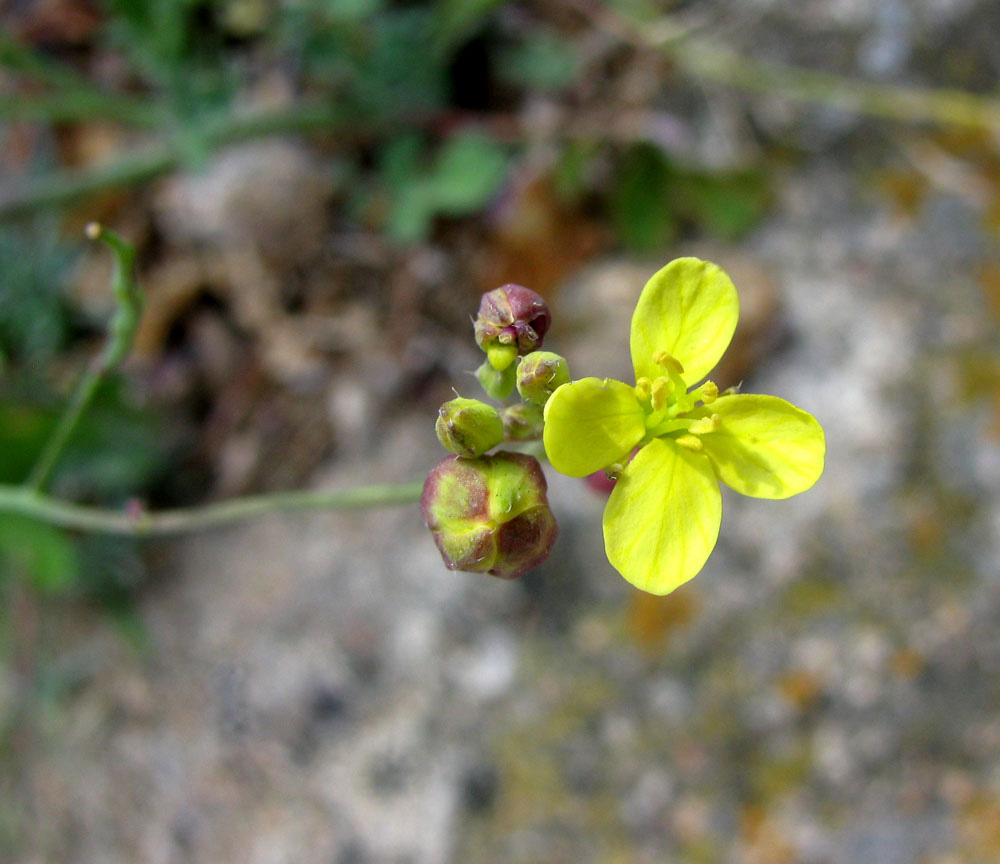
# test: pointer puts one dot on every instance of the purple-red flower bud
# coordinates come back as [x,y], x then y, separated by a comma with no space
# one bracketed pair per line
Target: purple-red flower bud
[491,514]
[512,315]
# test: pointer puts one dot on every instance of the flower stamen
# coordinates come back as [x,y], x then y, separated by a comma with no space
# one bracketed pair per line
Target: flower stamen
[690,442]
[668,362]
[660,391]
[705,425]
[643,387]
[707,393]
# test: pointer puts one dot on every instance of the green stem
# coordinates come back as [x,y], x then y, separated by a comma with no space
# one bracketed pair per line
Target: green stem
[940,106]
[128,307]
[76,105]
[46,462]
[65,186]
[26,502]
[708,60]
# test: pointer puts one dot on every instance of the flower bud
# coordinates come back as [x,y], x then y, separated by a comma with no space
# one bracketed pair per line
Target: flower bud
[489,515]
[522,422]
[512,315]
[468,427]
[497,383]
[539,374]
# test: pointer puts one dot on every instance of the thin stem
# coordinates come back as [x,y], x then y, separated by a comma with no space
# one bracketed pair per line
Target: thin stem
[713,62]
[157,159]
[709,60]
[128,307]
[76,105]
[75,408]
[26,502]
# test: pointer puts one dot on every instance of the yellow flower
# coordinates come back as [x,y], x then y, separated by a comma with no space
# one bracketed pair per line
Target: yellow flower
[662,520]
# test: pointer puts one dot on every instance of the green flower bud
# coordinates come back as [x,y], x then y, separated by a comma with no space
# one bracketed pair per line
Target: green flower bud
[468,427]
[497,383]
[539,374]
[490,515]
[522,422]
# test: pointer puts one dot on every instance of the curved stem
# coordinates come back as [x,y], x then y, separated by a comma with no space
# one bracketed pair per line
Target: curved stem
[128,306]
[64,514]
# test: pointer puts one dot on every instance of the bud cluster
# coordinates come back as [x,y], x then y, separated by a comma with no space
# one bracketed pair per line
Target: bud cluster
[488,513]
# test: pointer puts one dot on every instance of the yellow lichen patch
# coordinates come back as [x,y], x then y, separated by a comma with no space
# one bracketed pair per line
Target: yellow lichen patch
[764,841]
[979,829]
[907,663]
[801,689]
[808,597]
[650,619]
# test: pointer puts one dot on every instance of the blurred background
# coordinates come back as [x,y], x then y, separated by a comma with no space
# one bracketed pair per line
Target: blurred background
[319,190]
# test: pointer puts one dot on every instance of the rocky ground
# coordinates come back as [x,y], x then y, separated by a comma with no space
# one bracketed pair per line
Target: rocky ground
[320,689]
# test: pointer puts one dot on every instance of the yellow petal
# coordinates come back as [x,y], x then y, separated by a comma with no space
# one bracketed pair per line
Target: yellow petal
[591,423]
[689,310]
[663,517]
[764,446]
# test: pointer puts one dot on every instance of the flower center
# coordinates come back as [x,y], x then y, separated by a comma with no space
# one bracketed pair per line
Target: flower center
[665,400]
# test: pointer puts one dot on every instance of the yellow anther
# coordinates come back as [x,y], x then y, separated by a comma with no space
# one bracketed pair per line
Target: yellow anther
[705,425]
[643,387]
[690,442]
[614,469]
[709,392]
[668,362]
[660,389]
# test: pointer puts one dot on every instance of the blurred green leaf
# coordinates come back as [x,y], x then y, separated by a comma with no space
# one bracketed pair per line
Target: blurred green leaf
[397,73]
[466,174]
[178,47]
[726,205]
[654,198]
[545,62]
[43,556]
[354,10]
[412,213]
[401,158]
[641,206]
[458,19]
[571,174]
[116,450]
[33,318]
[469,172]
[643,11]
